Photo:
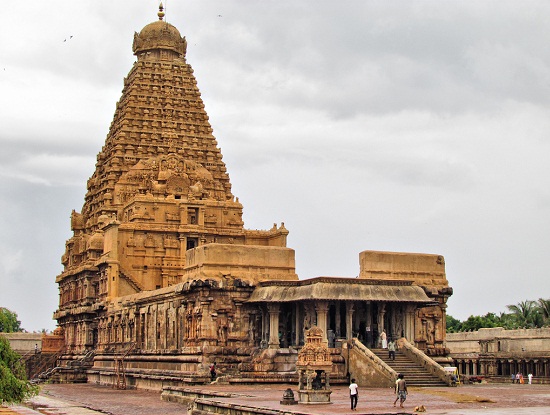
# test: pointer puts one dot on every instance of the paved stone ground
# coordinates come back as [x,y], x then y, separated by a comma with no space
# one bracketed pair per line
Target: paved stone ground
[490,399]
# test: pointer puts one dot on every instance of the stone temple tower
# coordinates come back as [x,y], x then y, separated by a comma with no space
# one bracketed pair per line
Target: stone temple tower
[159,190]
[160,271]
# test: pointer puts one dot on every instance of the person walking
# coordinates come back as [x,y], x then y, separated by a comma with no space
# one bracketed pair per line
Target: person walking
[353,394]
[391,350]
[530,377]
[400,390]
[383,339]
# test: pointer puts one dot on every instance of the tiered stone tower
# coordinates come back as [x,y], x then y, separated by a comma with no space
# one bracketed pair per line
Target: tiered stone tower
[160,189]
[161,273]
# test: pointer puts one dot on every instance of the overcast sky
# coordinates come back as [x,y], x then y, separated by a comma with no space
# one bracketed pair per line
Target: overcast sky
[414,126]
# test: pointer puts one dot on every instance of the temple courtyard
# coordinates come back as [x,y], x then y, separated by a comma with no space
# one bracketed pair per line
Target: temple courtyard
[87,399]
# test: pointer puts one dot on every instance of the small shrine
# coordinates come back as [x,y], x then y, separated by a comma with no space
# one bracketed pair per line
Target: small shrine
[314,366]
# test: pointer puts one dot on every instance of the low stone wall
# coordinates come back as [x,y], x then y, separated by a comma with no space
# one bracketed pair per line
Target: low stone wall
[495,353]
[186,396]
[206,406]
[202,403]
[500,340]
[24,343]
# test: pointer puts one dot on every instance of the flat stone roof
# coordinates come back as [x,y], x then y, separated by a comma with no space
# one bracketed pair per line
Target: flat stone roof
[327,288]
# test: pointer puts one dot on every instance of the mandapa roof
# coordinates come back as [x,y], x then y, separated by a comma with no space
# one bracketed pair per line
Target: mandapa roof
[325,288]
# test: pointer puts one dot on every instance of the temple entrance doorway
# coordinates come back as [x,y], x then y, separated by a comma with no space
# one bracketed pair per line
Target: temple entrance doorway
[365,326]
[336,324]
[287,325]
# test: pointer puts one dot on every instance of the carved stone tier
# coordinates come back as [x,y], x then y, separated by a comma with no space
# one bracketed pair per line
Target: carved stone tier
[314,366]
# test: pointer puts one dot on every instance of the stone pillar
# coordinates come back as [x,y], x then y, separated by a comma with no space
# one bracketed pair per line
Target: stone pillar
[112,281]
[443,307]
[409,322]
[200,219]
[438,338]
[338,320]
[183,217]
[182,241]
[265,330]
[349,320]
[154,327]
[273,309]
[299,326]
[89,289]
[181,317]
[369,314]
[321,307]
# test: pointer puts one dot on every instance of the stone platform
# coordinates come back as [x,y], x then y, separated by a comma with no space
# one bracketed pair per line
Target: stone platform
[87,399]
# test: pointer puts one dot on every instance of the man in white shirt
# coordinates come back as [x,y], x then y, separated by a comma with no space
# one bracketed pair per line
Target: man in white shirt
[353,394]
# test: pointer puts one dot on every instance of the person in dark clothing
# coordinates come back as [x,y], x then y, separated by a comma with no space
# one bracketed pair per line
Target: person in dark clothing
[213,372]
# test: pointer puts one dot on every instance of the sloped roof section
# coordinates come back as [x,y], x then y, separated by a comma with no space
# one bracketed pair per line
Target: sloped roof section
[325,288]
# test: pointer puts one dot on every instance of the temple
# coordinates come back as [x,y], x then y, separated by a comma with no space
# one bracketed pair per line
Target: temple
[161,278]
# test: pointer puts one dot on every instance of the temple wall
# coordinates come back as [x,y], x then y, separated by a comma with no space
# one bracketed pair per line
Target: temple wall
[495,353]
[174,318]
[249,263]
[426,271]
[53,343]
[520,340]
[423,269]
[23,342]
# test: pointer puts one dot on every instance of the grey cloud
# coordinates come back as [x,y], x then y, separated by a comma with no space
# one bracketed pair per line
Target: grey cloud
[412,126]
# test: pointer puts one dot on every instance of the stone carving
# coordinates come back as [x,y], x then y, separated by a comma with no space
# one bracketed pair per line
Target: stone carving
[314,366]
[159,35]
[160,226]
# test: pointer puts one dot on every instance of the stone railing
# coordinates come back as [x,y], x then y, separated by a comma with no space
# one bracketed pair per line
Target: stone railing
[419,357]
[130,280]
[367,368]
[206,406]
[203,402]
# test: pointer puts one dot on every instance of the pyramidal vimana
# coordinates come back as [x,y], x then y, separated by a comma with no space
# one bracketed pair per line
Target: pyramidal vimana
[161,278]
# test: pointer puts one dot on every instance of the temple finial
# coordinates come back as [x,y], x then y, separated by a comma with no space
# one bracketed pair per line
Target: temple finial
[161,11]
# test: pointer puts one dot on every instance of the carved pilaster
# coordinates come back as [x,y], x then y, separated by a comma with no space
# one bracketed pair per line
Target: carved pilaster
[349,320]
[321,307]
[273,309]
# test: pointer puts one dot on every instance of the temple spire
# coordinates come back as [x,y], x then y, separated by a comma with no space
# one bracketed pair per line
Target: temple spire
[160,14]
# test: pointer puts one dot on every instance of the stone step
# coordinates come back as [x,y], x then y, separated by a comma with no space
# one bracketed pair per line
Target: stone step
[415,374]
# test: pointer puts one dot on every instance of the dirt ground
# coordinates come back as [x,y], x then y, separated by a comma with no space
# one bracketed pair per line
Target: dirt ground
[88,399]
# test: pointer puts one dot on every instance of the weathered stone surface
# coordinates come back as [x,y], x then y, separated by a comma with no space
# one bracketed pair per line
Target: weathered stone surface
[495,353]
[161,278]
[24,343]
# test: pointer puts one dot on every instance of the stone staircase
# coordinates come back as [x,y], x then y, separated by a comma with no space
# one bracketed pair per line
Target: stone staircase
[415,375]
